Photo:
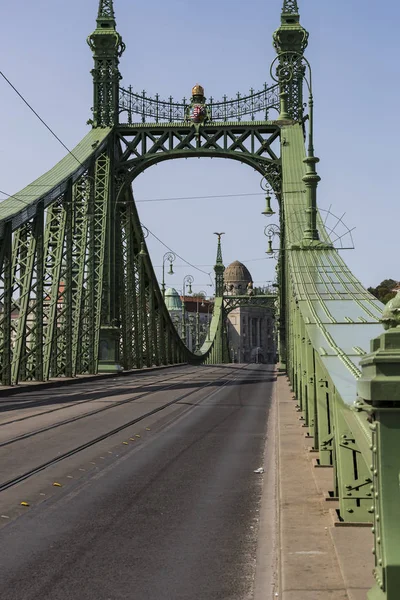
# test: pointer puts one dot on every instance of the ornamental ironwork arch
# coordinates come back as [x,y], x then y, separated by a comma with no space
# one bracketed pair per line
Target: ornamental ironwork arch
[251,143]
[267,301]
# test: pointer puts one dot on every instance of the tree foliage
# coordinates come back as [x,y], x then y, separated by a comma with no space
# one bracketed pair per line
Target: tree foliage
[384,291]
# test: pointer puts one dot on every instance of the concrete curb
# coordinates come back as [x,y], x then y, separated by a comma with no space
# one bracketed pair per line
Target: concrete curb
[267,568]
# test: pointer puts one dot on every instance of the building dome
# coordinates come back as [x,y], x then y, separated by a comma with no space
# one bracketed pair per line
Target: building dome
[172,299]
[237,278]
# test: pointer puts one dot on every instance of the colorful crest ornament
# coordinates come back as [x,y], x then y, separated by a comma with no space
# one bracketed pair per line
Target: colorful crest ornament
[197,113]
[197,110]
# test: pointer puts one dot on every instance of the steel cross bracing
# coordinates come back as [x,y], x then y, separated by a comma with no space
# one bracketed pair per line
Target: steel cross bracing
[256,301]
[251,143]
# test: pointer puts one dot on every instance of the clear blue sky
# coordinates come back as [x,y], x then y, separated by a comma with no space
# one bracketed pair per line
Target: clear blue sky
[227,47]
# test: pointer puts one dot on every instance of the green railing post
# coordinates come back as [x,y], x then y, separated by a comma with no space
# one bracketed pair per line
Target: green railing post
[379,395]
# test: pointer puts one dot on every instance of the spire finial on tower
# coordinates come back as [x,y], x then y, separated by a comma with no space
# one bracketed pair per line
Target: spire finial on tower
[219,249]
[106,9]
[290,7]
[219,269]
[290,42]
[107,47]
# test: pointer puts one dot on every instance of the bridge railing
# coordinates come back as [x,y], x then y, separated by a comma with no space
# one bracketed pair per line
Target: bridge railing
[155,109]
[348,398]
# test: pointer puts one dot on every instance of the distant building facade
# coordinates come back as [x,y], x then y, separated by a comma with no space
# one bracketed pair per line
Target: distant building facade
[251,336]
[198,314]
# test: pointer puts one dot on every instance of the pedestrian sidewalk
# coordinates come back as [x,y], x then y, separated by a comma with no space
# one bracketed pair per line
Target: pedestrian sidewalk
[317,559]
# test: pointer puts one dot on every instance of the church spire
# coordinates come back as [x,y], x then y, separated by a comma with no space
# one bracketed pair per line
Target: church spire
[219,269]
[107,47]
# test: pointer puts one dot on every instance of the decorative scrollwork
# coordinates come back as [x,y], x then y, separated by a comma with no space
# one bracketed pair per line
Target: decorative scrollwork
[290,73]
[226,110]
[290,63]
[273,174]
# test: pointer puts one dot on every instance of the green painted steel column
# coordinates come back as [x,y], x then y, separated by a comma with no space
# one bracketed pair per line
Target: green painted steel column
[81,198]
[69,280]
[39,325]
[25,250]
[311,180]
[107,47]
[351,474]
[323,440]
[311,389]
[379,393]
[6,269]
[290,41]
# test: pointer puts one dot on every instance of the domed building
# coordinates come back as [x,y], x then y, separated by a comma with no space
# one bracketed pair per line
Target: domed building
[172,300]
[250,328]
[237,279]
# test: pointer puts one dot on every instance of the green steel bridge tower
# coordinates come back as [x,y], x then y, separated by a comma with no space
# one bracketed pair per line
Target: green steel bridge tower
[78,292]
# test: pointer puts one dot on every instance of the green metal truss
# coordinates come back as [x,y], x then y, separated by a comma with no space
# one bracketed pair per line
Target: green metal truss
[78,292]
[144,145]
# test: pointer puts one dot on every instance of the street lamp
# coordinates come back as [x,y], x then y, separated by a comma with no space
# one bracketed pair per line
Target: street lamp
[187,279]
[268,212]
[271,231]
[201,294]
[171,256]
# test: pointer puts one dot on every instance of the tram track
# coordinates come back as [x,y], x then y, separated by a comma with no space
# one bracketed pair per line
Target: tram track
[26,403]
[87,400]
[60,457]
[90,413]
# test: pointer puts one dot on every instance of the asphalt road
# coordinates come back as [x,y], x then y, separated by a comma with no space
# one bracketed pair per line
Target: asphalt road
[173,518]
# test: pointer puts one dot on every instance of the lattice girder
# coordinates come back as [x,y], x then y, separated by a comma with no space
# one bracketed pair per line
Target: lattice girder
[256,301]
[251,143]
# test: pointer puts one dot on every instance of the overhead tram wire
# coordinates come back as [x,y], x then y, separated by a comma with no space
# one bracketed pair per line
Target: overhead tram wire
[199,197]
[40,118]
[138,201]
[163,199]
[79,162]
[178,255]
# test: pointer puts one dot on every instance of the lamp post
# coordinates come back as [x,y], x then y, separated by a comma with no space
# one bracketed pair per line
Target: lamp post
[208,319]
[142,302]
[187,279]
[198,316]
[171,256]
[294,63]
